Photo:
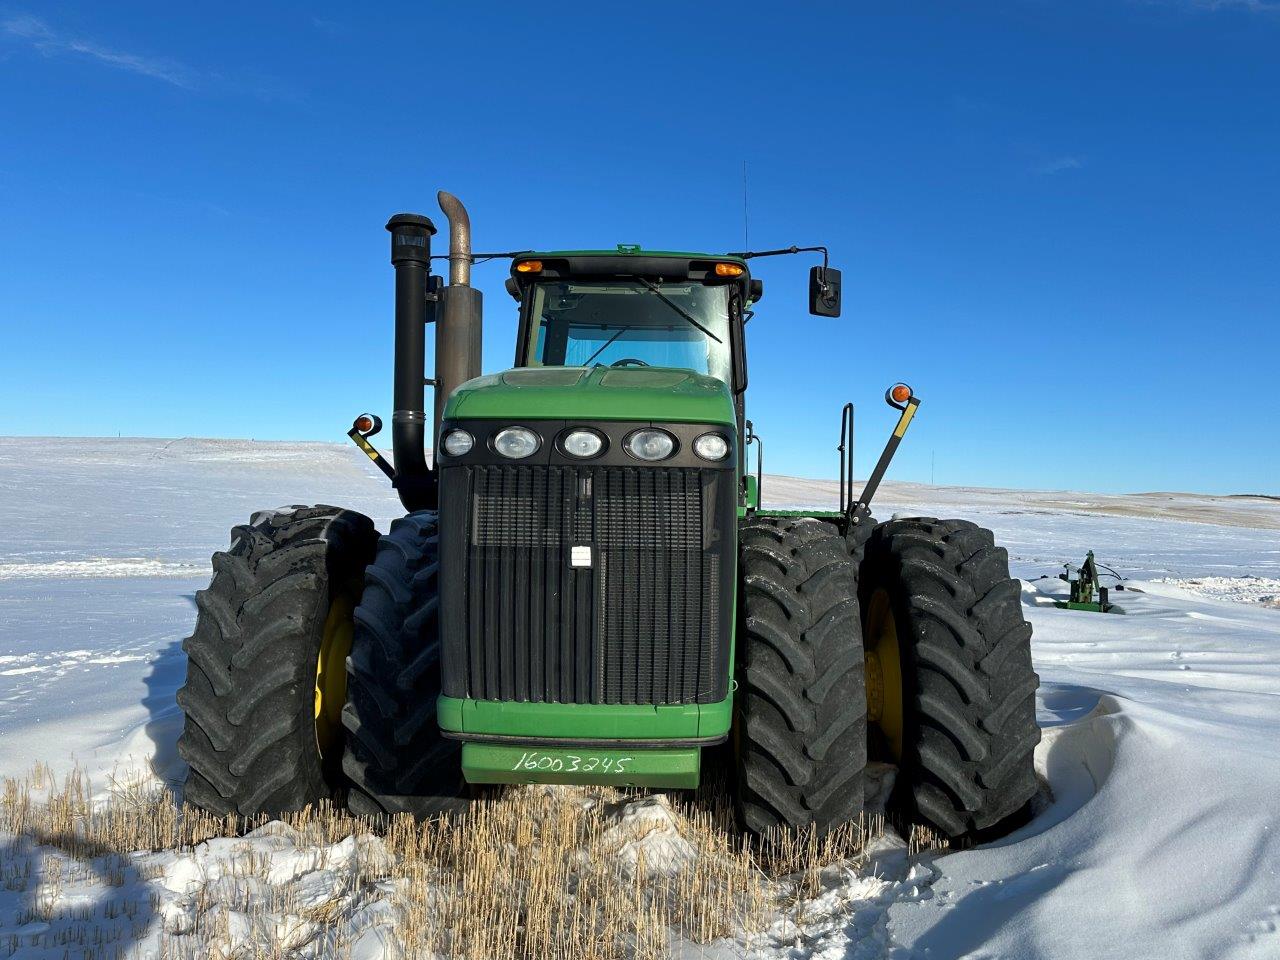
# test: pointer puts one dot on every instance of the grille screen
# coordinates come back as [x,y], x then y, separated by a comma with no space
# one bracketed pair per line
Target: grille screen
[637,617]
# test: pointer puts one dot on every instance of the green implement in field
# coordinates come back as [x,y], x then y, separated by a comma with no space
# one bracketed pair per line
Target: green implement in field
[1085,585]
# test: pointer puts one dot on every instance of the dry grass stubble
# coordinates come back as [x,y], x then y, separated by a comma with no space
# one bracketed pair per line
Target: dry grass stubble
[548,872]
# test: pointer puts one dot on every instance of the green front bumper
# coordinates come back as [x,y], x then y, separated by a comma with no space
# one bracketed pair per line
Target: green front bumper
[510,742]
[527,763]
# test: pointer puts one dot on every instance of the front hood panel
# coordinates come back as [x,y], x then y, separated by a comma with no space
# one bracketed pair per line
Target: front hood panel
[601,393]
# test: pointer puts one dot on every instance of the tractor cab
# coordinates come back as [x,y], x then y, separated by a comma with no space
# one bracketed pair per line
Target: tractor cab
[633,309]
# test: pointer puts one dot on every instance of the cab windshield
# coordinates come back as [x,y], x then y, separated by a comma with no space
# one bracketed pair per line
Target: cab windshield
[630,323]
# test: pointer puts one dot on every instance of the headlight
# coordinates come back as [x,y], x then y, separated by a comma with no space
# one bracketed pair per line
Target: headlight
[583,443]
[516,443]
[651,444]
[458,442]
[711,446]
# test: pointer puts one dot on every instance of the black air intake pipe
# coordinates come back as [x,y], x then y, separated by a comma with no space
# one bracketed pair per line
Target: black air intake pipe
[411,236]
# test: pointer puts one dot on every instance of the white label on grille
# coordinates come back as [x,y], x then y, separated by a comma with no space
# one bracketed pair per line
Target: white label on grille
[580,557]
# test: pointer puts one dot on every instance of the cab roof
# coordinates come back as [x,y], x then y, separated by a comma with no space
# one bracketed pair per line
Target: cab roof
[631,250]
[629,260]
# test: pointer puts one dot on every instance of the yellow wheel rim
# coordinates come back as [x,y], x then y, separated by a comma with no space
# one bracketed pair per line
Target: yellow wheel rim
[331,674]
[884,672]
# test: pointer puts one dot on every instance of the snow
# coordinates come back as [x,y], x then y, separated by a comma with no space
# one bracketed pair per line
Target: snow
[647,832]
[1158,833]
[167,903]
[1264,590]
[94,568]
[233,878]
[1160,749]
[849,918]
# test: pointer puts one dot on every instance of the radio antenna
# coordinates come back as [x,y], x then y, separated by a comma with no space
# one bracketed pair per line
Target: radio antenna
[746,242]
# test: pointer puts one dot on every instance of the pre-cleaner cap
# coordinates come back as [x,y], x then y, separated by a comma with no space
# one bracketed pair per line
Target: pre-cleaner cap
[411,235]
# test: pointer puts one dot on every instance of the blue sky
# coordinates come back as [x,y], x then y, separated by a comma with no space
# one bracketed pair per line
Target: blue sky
[1058,221]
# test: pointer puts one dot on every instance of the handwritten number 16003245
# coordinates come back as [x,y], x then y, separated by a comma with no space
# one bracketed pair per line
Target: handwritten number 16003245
[570,763]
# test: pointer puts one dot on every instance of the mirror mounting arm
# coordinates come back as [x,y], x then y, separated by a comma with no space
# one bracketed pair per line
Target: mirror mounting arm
[824,281]
[785,251]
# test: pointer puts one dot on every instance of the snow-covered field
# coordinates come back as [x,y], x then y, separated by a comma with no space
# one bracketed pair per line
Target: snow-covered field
[1158,835]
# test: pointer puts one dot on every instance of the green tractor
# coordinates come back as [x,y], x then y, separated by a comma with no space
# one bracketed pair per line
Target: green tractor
[586,590]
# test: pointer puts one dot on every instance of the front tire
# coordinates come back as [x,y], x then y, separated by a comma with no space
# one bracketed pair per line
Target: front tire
[280,597]
[951,688]
[800,728]
[396,760]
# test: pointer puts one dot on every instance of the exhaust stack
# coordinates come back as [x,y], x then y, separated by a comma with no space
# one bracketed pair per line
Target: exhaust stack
[459,238]
[458,327]
[456,311]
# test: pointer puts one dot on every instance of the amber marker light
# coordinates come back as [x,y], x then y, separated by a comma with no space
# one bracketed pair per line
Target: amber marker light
[529,266]
[730,270]
[900,392]
[366,425]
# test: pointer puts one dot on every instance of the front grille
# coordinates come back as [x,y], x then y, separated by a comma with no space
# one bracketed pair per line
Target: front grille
[646,622]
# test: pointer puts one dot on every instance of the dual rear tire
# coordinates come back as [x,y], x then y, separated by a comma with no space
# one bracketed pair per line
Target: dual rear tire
[903,642]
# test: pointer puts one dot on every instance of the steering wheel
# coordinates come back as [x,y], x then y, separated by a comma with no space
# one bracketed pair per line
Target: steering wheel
[629,360]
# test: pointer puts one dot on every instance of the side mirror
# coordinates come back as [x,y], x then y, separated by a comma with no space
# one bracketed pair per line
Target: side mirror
[824,292]
[513,288]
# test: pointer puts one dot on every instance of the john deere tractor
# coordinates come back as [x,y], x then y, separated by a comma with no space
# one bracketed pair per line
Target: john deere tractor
[586,589]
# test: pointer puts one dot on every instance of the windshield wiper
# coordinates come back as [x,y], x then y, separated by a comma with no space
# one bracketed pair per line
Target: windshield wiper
[607,344]
[677,308]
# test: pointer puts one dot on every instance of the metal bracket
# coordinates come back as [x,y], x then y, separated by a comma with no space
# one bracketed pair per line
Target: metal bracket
[753,437]
[846,457]
[901,397]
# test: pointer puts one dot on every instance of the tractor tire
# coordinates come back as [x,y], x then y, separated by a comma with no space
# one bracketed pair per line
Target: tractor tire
[800,726]
[396,761]
[939,593]
[280,595]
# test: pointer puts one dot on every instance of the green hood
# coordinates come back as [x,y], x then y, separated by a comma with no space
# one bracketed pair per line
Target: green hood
[598,393]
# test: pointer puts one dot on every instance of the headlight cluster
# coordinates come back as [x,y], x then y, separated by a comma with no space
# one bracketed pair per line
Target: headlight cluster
[583,443]
[654,444]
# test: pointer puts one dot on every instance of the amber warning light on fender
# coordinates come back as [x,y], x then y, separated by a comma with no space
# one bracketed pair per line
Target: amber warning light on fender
[364,426]
[898,395]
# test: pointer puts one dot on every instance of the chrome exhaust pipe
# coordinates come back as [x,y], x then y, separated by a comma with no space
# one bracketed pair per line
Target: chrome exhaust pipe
[459,321]
[459,239]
